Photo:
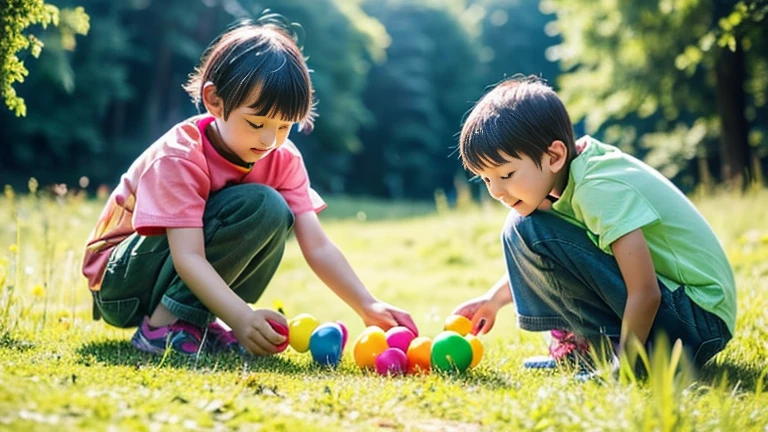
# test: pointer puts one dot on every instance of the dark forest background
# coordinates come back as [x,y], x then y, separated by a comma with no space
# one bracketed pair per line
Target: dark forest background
[681,84]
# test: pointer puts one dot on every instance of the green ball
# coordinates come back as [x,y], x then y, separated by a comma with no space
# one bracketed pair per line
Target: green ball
[451,352]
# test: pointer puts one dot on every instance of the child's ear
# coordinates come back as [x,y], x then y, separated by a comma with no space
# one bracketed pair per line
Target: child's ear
[213,103]
[558,155]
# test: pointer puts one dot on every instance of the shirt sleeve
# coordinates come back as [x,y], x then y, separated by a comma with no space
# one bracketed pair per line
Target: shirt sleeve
[295,188]
[171,193]
[611,209]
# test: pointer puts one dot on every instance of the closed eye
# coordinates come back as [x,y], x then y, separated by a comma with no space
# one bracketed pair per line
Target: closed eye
[255,125]
[507,176]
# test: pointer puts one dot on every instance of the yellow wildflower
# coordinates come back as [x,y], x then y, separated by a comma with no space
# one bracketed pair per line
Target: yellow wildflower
[38,291]
[13,248]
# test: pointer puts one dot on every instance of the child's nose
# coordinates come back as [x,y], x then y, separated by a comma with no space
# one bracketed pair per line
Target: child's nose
[267,137]
[496,190]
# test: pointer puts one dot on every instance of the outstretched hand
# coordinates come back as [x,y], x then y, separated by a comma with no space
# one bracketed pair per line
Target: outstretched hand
[387,316]
[481,311]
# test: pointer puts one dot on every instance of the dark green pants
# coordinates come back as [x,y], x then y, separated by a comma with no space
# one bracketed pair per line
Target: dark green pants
[245,229]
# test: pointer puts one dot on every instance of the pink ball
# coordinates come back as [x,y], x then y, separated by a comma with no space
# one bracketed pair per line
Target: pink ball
[344,334]
[399,337]
[392,361]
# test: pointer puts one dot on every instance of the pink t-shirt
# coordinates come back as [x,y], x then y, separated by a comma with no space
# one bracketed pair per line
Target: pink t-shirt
[169,184]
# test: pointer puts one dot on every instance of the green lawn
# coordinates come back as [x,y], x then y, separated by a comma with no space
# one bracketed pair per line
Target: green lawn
[59,370]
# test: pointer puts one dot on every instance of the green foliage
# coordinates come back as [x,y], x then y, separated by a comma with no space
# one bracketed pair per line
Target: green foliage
[15,17]
[636,68]
[62,370]
[418,97]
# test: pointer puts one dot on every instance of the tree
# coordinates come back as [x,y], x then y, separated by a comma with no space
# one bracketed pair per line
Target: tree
[418,97]
[15,17]
[674,71]
[514,38]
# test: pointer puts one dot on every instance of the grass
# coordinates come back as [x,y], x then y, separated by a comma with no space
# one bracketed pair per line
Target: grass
[61,370]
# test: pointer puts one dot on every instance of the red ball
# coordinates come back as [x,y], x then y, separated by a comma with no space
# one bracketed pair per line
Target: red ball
[281,329]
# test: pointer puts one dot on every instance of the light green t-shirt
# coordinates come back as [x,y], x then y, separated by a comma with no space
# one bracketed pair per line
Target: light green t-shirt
[610,194]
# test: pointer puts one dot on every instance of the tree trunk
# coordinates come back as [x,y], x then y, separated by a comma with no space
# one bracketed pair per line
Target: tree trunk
[731,102]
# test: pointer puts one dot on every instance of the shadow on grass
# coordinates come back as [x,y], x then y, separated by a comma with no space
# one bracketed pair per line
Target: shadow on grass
[746,377]
[122,353]
[6,341]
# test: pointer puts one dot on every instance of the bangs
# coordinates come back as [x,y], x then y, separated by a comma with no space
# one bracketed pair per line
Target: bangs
[283,92]
[263,69]
[483,144]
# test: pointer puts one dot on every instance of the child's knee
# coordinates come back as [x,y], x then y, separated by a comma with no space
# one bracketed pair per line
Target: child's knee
[242,203]
[519,230]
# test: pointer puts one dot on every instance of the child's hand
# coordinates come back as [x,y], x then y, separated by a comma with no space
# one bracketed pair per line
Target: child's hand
[256,335]
[387,316]
[481,311]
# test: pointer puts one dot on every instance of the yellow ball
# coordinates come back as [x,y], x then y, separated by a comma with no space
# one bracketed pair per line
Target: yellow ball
[371,342]
[458,323]
[477,349]
[300,328]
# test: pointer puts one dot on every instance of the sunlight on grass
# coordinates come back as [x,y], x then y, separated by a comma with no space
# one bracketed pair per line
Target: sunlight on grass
[59,369]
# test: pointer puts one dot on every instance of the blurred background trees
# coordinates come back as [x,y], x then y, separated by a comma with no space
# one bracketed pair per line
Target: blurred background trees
[682,84]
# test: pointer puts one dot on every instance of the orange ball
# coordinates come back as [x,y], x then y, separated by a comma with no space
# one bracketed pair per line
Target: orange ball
[458,323]
[419,355]
[371,342]
[477,349]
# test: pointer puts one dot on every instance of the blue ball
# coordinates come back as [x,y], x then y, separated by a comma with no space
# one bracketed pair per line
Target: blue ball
[326,344]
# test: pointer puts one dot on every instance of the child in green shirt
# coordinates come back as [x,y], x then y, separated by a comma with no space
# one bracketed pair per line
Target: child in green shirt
[597,243]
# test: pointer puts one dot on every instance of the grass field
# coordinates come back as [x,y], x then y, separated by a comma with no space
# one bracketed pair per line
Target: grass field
[59,370]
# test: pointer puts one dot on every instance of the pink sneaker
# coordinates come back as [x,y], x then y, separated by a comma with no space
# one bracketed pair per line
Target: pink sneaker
[219,340]
[181,336]
[565,349]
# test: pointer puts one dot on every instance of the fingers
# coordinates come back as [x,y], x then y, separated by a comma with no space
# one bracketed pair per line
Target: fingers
[404,319]
[269,334]
[483,321]
[257,344]
[487,325]
[274,316]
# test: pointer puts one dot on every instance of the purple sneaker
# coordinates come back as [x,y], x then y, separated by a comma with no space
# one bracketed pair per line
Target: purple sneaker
[181,336]
[219,340]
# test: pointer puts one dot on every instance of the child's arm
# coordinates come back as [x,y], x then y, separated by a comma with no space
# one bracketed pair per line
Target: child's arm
[250,327]
[330,265]
[482,310]
[643,293]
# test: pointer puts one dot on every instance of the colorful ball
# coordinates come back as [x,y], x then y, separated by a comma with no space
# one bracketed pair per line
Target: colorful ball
[477,349]
[300,328]
[281,329]
[458,323]
[418,355]
[371,342]
[451,352]
[399,337]
[391,362]
[326,344]
[344,333]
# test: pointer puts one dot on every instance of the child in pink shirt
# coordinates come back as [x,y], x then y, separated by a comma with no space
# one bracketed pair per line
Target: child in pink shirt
[197,226]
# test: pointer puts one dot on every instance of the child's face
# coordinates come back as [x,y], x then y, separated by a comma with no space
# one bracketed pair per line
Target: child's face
[244,137]
[250,137]
[519,183]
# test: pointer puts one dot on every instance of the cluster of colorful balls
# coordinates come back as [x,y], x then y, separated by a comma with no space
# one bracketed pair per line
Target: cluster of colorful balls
[398,351]
[325,341]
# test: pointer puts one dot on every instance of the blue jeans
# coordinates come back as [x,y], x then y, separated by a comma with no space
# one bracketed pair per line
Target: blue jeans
[561,280]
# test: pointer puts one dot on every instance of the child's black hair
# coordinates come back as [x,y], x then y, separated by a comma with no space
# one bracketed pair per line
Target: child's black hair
[522,115]
[257,58]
